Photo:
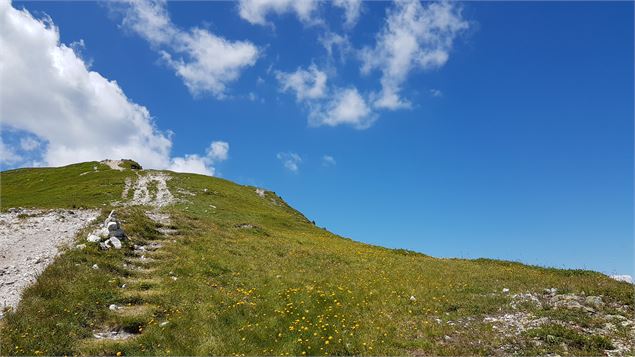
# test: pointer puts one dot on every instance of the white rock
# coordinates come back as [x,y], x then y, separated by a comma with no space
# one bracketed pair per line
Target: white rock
[505,290]
[164,323]
[116,243]
[95,266]
[93,238]
[80,246]
[103,232]
[260,192]
[412,298]
[112,226]
[113,307]
[104,245]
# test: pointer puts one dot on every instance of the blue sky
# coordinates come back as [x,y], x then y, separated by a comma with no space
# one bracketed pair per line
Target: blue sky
[477,129]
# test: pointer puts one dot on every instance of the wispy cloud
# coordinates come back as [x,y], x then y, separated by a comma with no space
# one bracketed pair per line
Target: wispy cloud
[205,62]
[414,36]
[257,11]
[436,93]
[290,160]
[29,143]
[328,160]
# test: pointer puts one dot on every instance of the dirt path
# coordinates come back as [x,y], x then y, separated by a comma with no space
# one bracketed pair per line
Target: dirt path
[142,283]
[29,241]
[142,194]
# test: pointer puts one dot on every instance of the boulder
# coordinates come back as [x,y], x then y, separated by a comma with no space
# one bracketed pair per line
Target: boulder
[594,301]
[116,243]
[104,245]
[93,238]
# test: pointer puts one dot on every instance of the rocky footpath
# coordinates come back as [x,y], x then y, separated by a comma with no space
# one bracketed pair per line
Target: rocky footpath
[29,241]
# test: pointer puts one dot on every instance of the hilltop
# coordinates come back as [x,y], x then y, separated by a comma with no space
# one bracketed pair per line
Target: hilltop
[207,266]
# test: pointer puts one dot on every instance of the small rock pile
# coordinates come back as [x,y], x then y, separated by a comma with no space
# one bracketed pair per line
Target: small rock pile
[109,235]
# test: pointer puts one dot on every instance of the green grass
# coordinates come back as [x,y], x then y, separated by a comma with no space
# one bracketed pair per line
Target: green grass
[73,186]
[282,287]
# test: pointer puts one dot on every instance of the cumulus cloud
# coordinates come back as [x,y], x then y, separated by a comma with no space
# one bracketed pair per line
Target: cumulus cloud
[77,113]
[290,160]
[205,62]
[330,107]
[414,37]
[345,106]
[306,84]
[218,151]
[328,160]
[256,11]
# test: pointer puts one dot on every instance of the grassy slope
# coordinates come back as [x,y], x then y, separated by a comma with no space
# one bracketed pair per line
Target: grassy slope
[281,287]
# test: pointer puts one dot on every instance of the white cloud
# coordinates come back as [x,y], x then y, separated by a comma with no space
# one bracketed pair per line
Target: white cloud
[218,150]
[192,164]
[206,63]
[352,10]
[332,41]
[345,106]
[256,11]
[414,37]
[436,93]
[290,160]
[328,160]
[626,278]
[327,107]
[306,84]
[77,113]
[29,144]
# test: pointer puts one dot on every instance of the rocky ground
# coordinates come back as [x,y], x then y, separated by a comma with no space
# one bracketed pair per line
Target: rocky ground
[542,315]
[29,241]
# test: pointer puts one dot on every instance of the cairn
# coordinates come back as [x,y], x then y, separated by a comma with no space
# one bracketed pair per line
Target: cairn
[109,235]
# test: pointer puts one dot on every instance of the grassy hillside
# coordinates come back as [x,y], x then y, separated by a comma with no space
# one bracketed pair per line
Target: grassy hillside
[249,275]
